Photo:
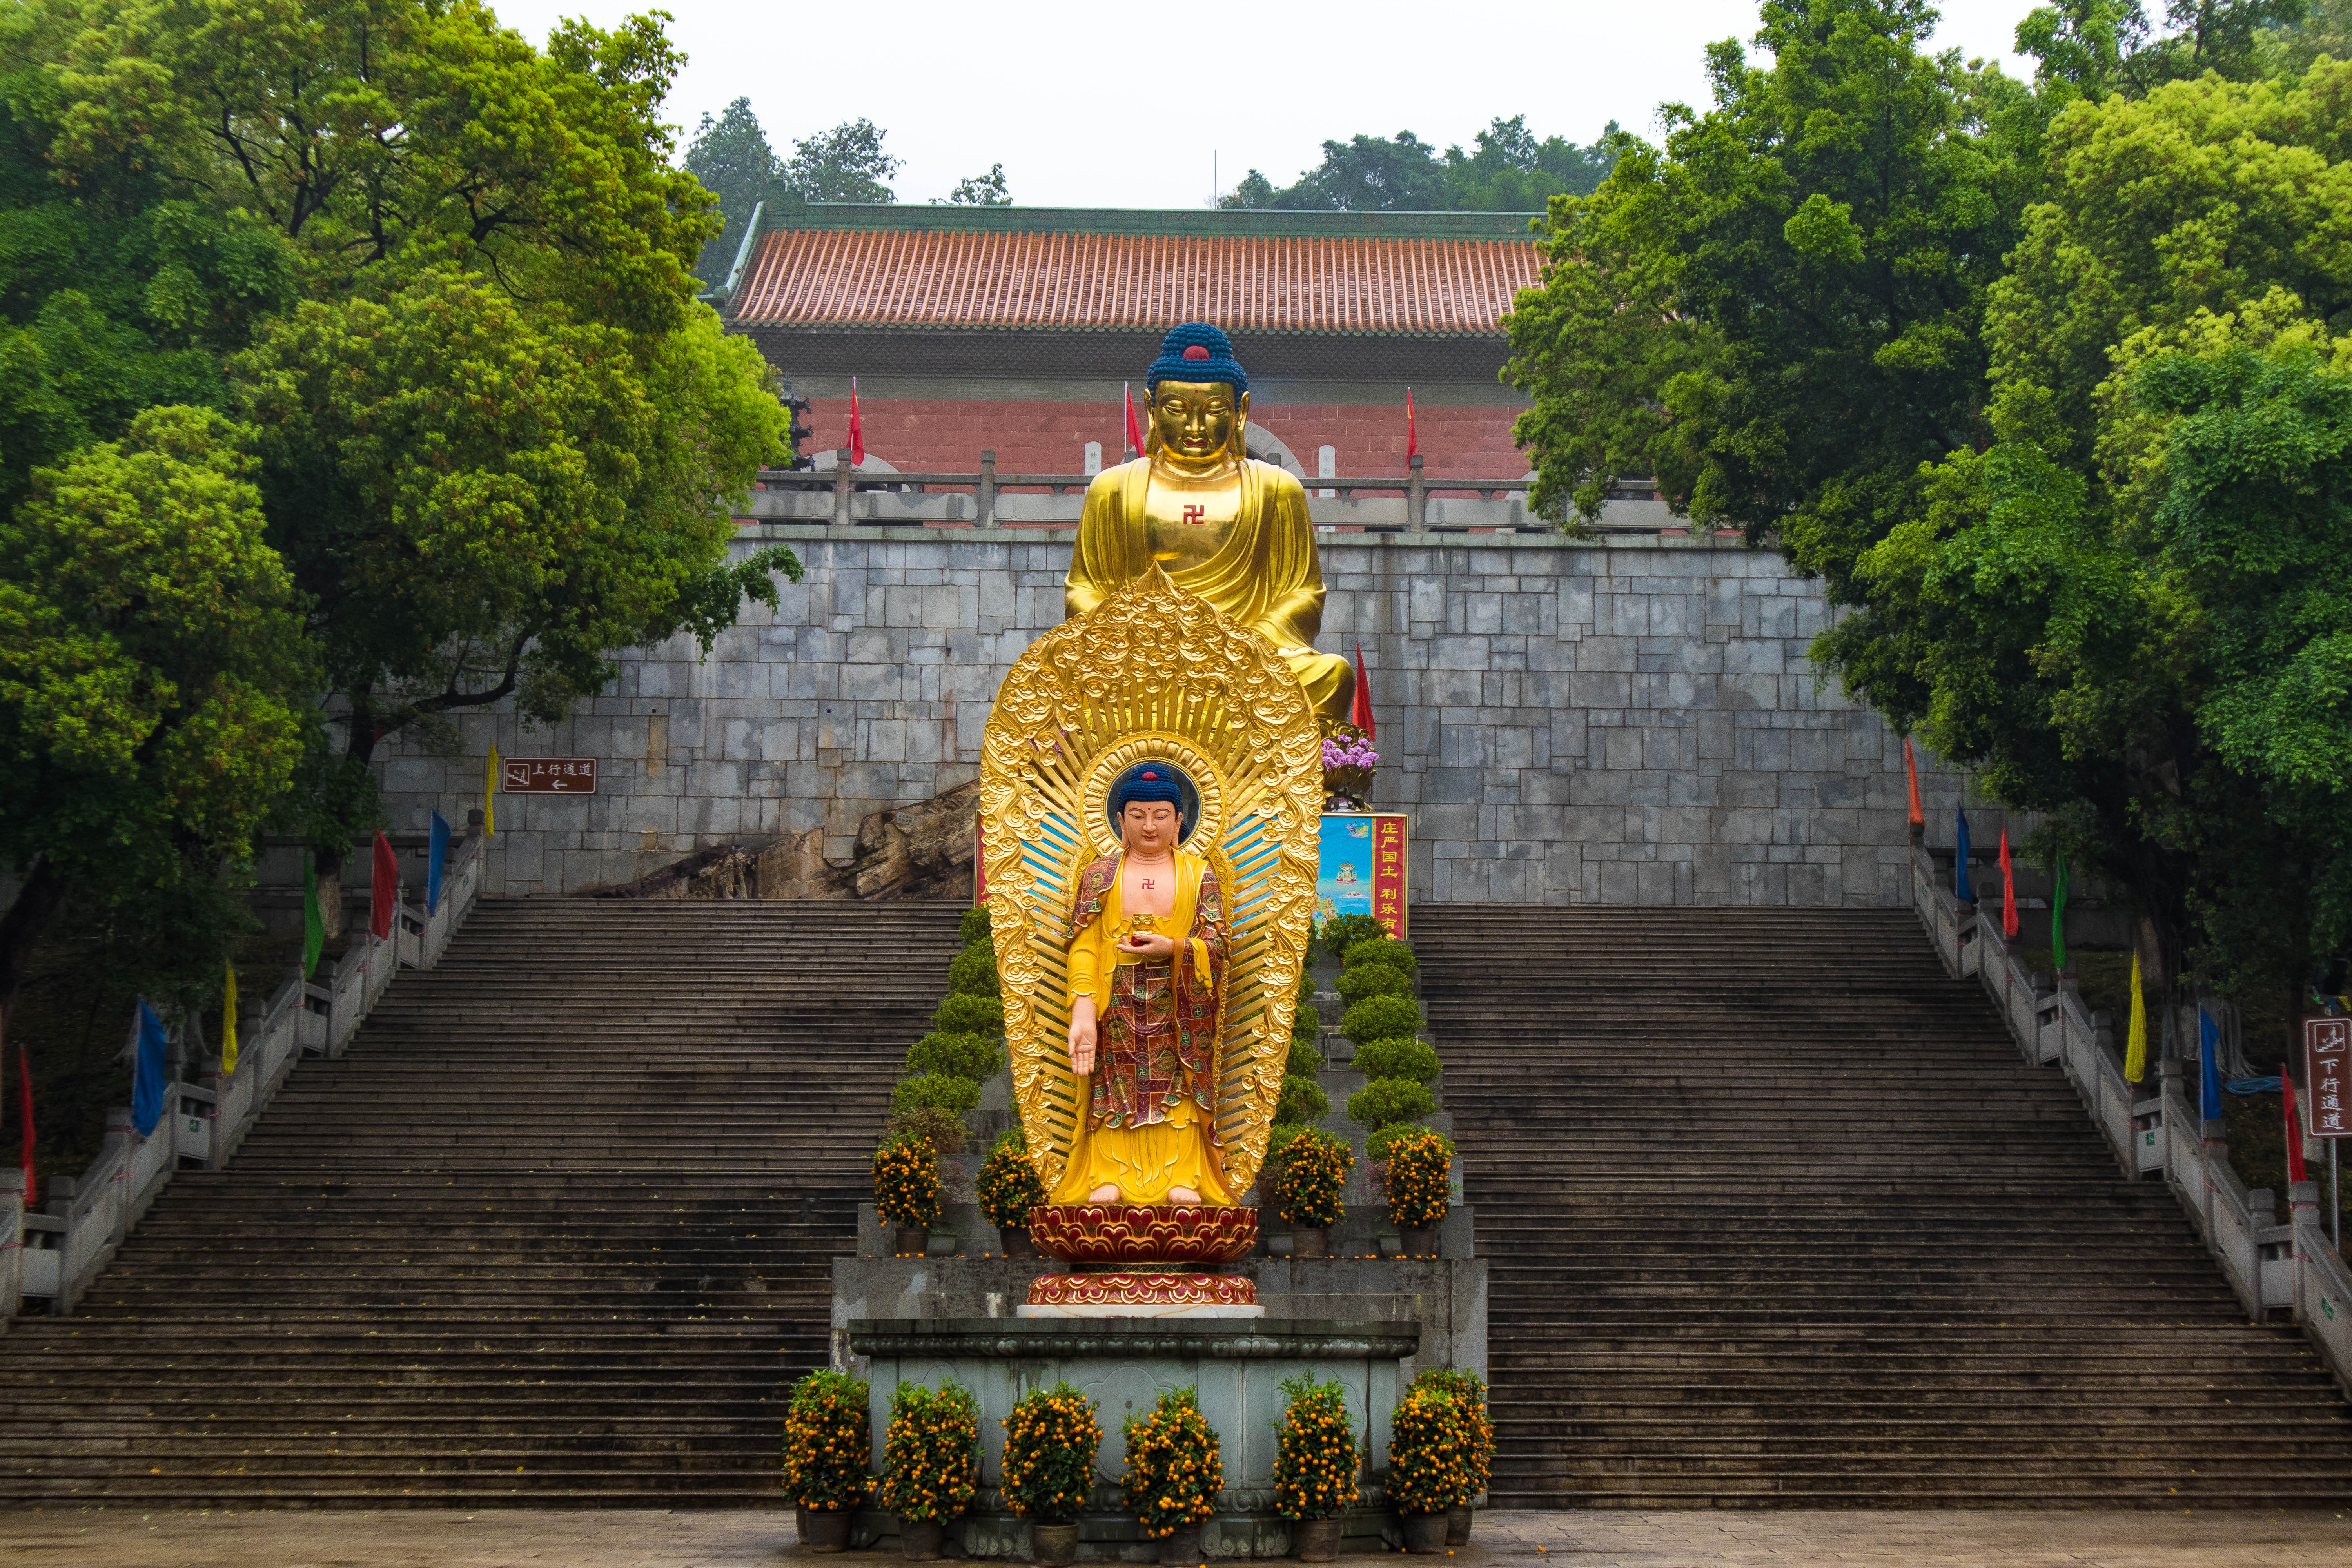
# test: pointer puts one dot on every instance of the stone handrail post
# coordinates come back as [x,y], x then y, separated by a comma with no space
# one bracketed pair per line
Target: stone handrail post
[12,1243]
[986,491]
[841,470]
[1416,496]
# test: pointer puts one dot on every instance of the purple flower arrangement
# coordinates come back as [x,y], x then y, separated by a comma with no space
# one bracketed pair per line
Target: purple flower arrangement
[1349,751]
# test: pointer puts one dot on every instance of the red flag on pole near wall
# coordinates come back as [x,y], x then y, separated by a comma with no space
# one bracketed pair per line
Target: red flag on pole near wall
[1134,427]
[1412,435]
[24,1081]
[2007,889]
[1361,714]
[856,428]
[1911,779]
[2294,1170]
[384,886]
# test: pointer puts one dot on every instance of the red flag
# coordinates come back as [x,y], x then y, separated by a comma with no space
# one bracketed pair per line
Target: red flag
[1911,777]
[1360,715]
[25,1081]
[856,428]
[1412,435]
[1134,427]
[384,886]
[2294,1171]
[2008,888]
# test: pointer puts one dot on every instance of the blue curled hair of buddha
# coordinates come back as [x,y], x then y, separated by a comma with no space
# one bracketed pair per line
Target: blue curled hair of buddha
[1150,785]
[1220,364]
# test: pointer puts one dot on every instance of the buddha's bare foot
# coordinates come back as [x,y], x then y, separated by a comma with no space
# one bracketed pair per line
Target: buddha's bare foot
[1105,1194]
[1183,1196]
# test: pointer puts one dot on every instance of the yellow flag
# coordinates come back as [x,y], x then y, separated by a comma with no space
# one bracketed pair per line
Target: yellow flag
[229,1025]
[490,792]
[2135,1049]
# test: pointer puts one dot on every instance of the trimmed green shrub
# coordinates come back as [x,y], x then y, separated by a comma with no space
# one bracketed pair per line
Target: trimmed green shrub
[961,1015]
[1388,1099]
[1383,949]
[974,927]
[974,1056]
[973,973]
[1303,1100]
[1381,1019]
[1376,1147]
[942,1130]
[935,1092]
[1306,1022]
[1374,980]
[1342,931]
[1402,1057]
[1306,1061]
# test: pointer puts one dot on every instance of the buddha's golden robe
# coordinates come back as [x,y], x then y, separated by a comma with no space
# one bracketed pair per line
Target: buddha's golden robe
[1250,554]
[1149,1123]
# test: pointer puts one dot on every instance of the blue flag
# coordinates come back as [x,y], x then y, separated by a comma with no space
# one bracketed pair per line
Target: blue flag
[2209,1060]
[1960,884]
[435,856]
[147,1071]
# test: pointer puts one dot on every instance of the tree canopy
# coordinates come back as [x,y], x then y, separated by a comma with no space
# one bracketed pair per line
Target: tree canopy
[1508,170]
[2046,381]
[399,311]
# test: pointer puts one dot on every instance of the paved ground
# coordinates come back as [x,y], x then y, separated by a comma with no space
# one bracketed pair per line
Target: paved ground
[70,1537]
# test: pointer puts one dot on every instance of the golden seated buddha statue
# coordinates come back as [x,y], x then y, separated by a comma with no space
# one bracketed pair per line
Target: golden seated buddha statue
[1226,526]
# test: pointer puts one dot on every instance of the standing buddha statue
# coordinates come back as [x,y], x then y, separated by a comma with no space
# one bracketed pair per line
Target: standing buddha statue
[1230,529]
[1147,946]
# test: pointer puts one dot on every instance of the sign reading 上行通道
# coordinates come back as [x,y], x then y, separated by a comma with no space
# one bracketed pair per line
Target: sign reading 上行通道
[1365,856]
[548,775]
[2327,1068]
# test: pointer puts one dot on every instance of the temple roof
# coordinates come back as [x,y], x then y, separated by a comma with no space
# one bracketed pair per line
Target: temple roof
[1417,274]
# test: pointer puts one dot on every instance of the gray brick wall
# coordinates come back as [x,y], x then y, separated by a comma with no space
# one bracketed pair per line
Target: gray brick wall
[1632,721]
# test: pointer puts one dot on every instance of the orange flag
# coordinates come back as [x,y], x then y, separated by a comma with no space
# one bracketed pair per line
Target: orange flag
[1911,777]
[856,428]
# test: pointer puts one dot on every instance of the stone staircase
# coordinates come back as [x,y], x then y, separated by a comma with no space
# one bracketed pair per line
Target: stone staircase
[1777,1217]
[553,1232]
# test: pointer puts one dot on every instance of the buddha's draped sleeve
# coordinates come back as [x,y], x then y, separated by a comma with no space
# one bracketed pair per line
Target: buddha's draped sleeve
[1108,555]
[1096,891]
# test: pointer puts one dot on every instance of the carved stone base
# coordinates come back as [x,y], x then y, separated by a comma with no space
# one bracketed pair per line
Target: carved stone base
[1143,1235]
[1142,1295]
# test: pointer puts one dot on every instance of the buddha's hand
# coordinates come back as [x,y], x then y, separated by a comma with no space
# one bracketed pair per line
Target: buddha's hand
[1149,944]
[1082,1037]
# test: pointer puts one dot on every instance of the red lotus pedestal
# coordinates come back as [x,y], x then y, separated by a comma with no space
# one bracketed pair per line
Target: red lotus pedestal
[1147,1260]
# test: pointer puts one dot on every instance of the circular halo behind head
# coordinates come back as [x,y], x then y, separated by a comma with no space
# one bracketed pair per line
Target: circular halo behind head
[1155,780]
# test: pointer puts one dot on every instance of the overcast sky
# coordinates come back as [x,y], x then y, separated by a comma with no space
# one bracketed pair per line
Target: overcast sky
[1106,105]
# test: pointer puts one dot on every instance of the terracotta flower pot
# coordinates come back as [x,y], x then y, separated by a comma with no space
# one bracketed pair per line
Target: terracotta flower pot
[824,1530]
[1457,1525]
[1318,1539]
[1424,1534]
[1181,1546]
[910,1241]
[1055,1545]
[1311,1242]
[919,1538]
[1419,1243]
[1014,1239]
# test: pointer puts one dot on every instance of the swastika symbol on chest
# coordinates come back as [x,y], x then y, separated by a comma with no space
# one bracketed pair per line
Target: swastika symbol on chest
[1196,514]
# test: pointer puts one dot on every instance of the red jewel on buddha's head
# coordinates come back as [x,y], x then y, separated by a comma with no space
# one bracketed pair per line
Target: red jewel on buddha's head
[1153,776]
[1196,352]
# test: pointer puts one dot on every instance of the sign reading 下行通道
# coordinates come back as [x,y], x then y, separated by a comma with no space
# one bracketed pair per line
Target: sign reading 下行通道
[548,775]
[2326,1067]
[1365,856]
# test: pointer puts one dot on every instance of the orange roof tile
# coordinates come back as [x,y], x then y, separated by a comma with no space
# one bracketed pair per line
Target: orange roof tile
[1243,283]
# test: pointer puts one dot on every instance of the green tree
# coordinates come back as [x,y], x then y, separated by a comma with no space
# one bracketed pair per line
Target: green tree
[981,190]
[152,666]
[484,501]
[846,163]
[732,157]
[1508,171]
[2091,48]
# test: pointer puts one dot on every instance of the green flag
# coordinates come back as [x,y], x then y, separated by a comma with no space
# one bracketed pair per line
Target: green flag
[2058,916]
[314,924]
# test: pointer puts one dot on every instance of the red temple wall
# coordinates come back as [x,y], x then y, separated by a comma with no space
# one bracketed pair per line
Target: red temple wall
[947,435]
